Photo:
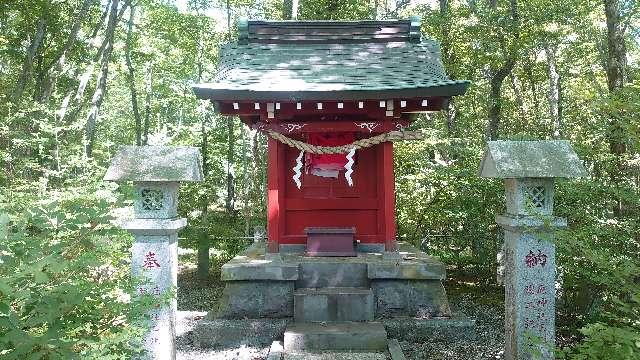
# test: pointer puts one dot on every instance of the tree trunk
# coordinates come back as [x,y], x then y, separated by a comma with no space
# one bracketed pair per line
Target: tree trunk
[251,179]
[101,85]
[616,62]
[59,60]
[375,9]
[517,92]
[246,190]
[203,240]
[616,56]
[445,45]
[554,92]
[87,72]
[230,203]
[132,78]
[532,88]
[495,97]
[229,21]
[148,84]
[451,113]
[27,66]
[119,16]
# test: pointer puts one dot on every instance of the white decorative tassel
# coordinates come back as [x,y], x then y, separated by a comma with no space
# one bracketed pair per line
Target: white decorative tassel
[348,166]
[296,170]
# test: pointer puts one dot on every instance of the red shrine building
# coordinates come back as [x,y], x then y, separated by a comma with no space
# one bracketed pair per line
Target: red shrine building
[310,84]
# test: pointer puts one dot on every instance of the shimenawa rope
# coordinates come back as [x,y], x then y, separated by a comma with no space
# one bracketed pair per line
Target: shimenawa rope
[358,144]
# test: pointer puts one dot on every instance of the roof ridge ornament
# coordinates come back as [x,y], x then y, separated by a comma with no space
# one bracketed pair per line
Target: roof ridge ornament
[329,31]
[415,33]
[243,30]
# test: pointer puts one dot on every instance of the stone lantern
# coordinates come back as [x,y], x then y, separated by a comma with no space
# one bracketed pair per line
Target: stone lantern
[156,172]
[528,169]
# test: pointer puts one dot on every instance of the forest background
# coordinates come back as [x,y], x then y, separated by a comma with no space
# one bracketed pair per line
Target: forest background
[78,78]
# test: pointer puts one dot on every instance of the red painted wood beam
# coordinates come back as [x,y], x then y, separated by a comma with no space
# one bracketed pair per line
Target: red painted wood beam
[333,126]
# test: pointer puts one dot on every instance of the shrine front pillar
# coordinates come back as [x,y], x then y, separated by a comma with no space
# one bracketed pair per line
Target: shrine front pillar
[528,169]
[156,172]
[275,193]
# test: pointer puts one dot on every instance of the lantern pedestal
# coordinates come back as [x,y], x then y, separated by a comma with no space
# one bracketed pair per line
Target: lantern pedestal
[530,274]
[154,257]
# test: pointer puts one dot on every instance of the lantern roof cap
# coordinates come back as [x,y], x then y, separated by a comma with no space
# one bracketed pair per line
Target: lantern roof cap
[531,159]
[330,60]
[155,164]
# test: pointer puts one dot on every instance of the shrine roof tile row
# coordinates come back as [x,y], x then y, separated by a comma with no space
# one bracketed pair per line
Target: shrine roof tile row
[300,70]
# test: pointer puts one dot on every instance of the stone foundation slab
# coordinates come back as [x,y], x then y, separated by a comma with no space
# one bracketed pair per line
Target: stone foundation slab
[415,298]
[256,299]
[417,330]
[224,333]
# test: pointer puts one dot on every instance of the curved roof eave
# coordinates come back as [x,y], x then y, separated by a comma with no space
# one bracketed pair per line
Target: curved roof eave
[215,93]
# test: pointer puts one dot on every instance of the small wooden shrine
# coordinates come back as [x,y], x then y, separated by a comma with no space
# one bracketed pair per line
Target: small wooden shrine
[331,97]
[313,84]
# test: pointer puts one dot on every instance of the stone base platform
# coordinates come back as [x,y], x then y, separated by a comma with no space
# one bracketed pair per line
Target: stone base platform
[403,283]
[318,304]
[224,333]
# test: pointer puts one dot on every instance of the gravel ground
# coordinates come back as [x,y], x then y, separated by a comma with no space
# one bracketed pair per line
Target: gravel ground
[489,341]
[186,350]
[194,295]
[195,299]
[482,304]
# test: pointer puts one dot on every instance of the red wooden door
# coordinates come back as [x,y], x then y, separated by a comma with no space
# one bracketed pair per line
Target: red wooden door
[327,202]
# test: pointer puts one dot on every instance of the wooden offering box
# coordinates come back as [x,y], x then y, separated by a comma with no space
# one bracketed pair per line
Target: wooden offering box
[331,241]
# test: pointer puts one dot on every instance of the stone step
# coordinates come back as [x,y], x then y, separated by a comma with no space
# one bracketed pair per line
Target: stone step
[332,272]
[333,304]
[335,355]
[229,333]
[353,336]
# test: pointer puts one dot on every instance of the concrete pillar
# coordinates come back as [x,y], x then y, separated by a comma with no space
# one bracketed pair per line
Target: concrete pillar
[529,169]
[156,172]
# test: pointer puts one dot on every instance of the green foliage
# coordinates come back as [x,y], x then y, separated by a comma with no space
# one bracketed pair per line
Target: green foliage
[599,267]
[443,206]
[607,342]
[64,280]
[335,10]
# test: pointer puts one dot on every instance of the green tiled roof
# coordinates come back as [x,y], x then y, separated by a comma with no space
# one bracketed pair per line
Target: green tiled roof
[323,70]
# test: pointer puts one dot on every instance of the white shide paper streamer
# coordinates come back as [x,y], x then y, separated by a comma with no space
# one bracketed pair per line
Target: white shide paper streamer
[348,166]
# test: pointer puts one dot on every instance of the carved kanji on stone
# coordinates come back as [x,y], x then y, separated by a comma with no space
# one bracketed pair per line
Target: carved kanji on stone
[150,261]
[535,259]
